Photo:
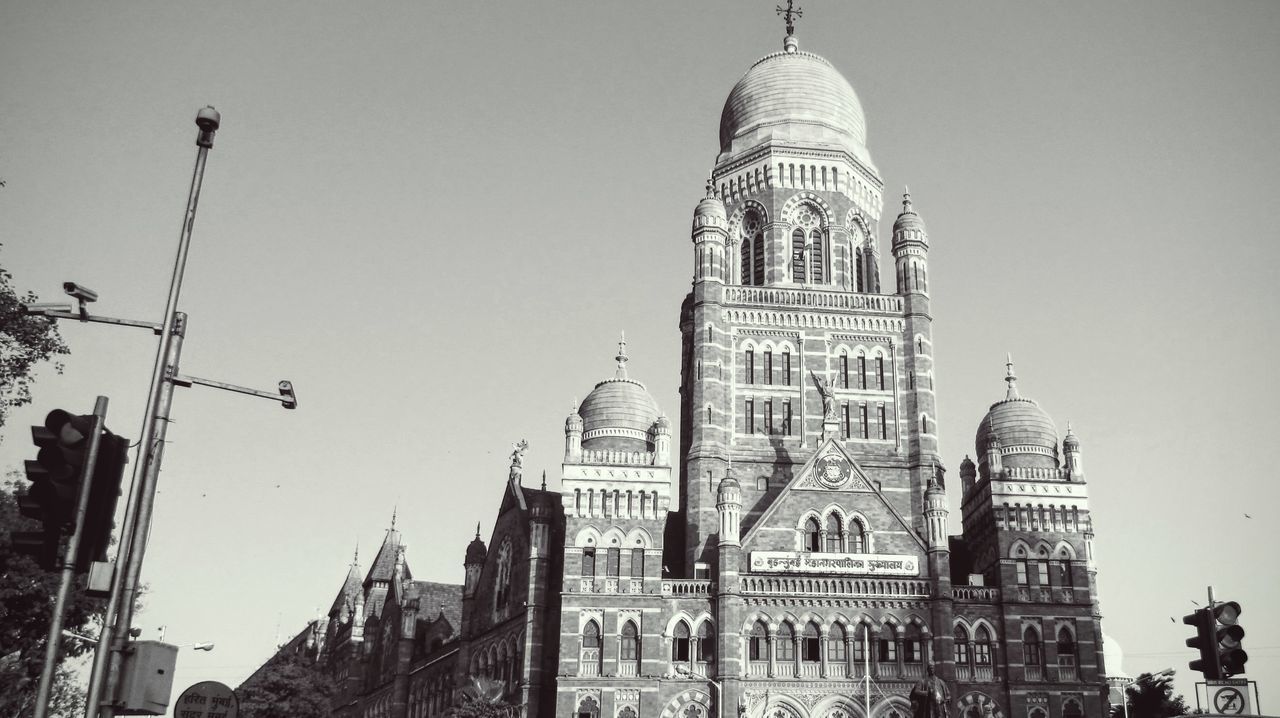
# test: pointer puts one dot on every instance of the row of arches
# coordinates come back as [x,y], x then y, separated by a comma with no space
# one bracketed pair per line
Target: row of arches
[812,257]
[834,530]
[1040,517]
[1050,567]
[430,695]
[499,660]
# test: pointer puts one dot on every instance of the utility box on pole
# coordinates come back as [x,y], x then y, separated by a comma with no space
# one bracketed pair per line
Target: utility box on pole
[146,678]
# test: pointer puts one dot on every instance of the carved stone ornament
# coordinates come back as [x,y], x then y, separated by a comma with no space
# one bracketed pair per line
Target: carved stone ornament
[833,471]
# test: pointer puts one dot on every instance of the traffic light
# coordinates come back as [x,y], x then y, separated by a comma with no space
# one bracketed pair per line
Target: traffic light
[1218,637]
[65,442]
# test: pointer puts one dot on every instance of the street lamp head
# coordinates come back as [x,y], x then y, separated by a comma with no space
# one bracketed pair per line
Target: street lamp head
[202,647]
[208,119]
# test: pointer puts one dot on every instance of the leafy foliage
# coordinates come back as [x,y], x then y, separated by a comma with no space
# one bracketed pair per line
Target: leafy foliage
[482,698]
[24,342]
[288,686]
[1152,696]
[26,603]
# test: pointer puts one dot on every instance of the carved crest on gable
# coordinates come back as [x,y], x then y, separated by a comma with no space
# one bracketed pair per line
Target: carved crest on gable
[832,470]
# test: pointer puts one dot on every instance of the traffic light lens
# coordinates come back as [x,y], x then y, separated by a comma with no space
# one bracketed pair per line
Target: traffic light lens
[1228,613]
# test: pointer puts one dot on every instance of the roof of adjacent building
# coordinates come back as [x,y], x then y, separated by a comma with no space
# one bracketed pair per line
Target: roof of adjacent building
[437,599]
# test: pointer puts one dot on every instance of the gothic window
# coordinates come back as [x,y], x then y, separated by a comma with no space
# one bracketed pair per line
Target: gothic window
[786,367]
[706,649]
[588,708]
[836,644]
[982,647]
[629,646]
[880,373]
[751,416]
[785,645]
[591,653]
[680,643]
[750,364]
[913,645]
[757,249]
[1066,648]
[860,644]
[613,557]
[811,644]
[758,643]
[744,252]
[786,417]
[857,258]
[862,420]
[834,534]
[588,562]
[1032,654]
[1020,567]
[844,371]
[768,416]
[880,418]
[752,249]
[816,256]
[888,648]
[1064,573]
[844,421]
[812,535]
[627,712]
[961,650]
[768,366]
[637,562]
[857,538]
[862,371]
[1071,709]
[1042,568]
[797,255]
[1038,713]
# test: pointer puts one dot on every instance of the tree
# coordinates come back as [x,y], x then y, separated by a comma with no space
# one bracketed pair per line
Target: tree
[25,341]
[26,604]
[482,698]
[1152,696]
[287,686]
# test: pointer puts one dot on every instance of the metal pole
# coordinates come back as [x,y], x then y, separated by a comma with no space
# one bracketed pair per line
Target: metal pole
[866,669]
[53,644]
[110,646]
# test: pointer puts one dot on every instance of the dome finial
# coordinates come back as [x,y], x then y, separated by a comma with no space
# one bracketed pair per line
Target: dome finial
[622,356]
[477,530]
[1010,377]
[711,186]
[789,15]
[906,199]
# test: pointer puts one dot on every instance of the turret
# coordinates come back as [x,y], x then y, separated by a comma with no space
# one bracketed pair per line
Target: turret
[573,435]
[994,467]
[935,513]
[662,441]
[729,505]
[1071,449]
[911,250]
[710,230]
[474,561]
[968,474]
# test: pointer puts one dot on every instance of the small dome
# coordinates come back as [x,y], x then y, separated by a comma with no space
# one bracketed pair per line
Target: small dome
[967,468]
[1027,436]
[1072,442]
[908,220]
[618,414]
[793,96]
[710,211]
[475,551]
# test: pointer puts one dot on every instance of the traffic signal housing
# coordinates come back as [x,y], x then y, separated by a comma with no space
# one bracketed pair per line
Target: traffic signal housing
[1218,637]
[99,516]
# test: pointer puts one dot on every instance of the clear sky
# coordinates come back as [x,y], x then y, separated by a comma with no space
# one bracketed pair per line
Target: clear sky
[435,218]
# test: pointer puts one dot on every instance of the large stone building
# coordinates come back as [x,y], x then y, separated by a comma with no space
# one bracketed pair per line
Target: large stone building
[788,556]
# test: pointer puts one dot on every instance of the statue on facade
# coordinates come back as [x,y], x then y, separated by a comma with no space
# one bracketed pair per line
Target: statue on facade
[930,696]
[828,397]
[517,460]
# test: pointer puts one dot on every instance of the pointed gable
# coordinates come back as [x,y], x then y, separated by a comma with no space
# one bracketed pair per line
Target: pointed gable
[347,594]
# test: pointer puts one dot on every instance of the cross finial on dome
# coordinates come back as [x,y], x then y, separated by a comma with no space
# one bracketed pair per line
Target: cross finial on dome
[789,15]
[622,357]
[1010,377]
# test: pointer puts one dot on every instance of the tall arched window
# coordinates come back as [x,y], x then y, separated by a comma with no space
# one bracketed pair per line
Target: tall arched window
[817,257]
[1042,567]
[680,643]
[1066,647]
[591,656]
[758,643]
[961,651]
[913,645]
[629,646]
[588,708]
[812,535]
[744,254]
[752,249]
[857,268]
[982,647]
[785,645]
[887,652]
[811,644]
[1032,655]
[857,538]
[836,651]
[757,252]
[797,255]
[835,537]
[706,649]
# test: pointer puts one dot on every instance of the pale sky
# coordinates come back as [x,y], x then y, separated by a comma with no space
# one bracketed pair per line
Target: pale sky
[434,218]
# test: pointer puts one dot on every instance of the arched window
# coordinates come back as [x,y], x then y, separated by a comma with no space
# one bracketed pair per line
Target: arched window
[836,651]
[751,249]
[857,538]
[588,708]
[1042,567]
[887,655]
[797,255]
[758,643]
[757,251]
[961,651]
[811,644]
[706,649]
[857,259]
[982,647]
[785,645]
[835,537]
[629,647]
[817,258]
[680,643]
[1020,562]
[1066,647]
[591,657]
[913,645]
[812,535]
[1071,709]
[1032,655]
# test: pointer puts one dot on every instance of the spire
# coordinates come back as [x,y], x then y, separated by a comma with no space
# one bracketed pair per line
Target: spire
[622,358]
[394,510]
[477,530]
[789,15]
[355,559]
[906,200]
[1011,378]
[544,479]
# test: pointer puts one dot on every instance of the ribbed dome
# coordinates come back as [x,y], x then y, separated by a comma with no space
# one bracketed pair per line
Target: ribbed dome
[1028,437]
[797,97]
[618,414]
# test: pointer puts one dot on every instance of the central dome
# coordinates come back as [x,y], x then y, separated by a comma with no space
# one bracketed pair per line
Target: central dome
[793,96]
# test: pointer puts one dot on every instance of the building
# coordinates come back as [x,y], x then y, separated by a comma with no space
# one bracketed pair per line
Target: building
[789,556]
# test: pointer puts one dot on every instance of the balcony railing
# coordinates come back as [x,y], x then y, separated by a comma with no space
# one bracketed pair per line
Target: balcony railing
[627,669]
[984,674]
[912,670]
[686,587]
[986,594]
[784,669]
[837,670]
[757,668]
[1067,674]
[859,587]
[1035,673]
[589,662]
[817,299]
[963,672]
[810,670]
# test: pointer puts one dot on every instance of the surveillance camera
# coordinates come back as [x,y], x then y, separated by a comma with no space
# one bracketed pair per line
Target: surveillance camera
[84,294]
